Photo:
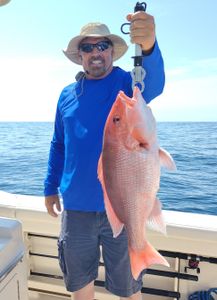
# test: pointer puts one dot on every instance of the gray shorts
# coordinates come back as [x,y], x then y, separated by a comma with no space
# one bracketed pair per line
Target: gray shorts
[79,243]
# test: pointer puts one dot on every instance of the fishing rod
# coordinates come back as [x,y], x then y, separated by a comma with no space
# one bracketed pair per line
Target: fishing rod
[138,73]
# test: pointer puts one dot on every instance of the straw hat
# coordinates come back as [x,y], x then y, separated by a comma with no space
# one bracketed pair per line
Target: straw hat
[3,2]
[95,30]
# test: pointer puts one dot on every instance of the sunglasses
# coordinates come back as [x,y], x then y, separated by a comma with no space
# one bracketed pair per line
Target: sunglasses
[100,46]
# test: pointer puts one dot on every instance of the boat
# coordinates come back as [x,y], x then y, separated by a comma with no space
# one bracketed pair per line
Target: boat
[190,247]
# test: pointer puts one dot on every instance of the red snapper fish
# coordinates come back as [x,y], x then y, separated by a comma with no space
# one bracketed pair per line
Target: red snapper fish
[129,172]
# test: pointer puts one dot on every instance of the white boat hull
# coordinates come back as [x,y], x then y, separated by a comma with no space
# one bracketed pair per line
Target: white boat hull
[187,235]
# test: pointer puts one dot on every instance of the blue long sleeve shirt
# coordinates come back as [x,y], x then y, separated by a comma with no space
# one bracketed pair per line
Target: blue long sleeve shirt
[81,114]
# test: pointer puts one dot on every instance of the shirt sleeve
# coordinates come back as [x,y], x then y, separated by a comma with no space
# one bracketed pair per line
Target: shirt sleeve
[56,157]
[155,75]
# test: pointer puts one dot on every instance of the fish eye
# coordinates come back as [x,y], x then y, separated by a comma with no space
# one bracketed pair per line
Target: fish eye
[116,119]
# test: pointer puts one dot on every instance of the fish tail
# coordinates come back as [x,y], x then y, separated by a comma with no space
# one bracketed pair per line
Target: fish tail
[142,259]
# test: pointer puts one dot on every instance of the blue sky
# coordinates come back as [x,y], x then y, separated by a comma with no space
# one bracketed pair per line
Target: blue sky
[33,69]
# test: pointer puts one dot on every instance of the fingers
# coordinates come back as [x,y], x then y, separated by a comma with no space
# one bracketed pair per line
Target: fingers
[52,204]
[142,29]
[58,206]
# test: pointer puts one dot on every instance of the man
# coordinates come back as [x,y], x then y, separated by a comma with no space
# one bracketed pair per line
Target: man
[75,149]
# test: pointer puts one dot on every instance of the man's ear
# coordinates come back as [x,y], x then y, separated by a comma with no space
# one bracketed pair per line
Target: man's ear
[112,52]
[80,56]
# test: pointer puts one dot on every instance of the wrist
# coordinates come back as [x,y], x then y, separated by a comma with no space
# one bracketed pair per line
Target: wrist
[146,52]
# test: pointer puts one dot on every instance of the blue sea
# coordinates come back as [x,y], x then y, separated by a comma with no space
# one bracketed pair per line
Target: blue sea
[24,151]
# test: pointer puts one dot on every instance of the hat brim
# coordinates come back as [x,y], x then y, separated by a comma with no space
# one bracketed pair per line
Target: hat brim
[119,47]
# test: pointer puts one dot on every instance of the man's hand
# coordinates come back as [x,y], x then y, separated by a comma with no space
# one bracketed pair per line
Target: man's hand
[142,30]
[52,202]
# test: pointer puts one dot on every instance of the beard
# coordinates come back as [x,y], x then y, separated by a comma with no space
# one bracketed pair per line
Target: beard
[97,67]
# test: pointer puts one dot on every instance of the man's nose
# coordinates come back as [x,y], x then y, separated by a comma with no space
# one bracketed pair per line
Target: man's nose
[96,50]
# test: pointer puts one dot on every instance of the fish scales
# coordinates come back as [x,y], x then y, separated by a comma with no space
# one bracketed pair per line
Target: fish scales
[138,185]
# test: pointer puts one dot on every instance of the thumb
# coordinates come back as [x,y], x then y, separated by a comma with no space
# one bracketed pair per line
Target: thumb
[129,17]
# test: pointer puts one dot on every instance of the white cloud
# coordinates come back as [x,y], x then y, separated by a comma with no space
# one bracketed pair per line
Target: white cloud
[193,68]
[191,99]
[190,93]
[30,87]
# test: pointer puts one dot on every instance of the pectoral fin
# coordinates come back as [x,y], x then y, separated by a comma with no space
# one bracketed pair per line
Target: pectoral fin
[155,220]
[166,160]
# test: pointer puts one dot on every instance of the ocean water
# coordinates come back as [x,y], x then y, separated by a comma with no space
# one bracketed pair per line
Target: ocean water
[24,149]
